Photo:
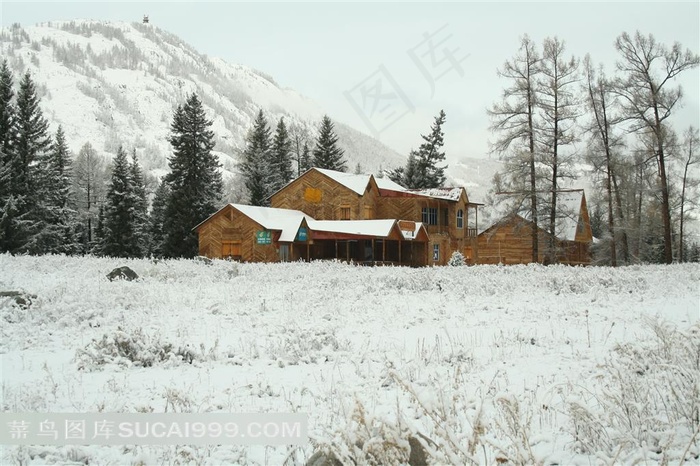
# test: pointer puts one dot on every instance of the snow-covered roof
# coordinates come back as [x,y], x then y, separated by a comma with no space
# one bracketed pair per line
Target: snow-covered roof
[412,233]
[569,207]
[358,183]
[451,194]
[568,213]
[285,220]
[354,227]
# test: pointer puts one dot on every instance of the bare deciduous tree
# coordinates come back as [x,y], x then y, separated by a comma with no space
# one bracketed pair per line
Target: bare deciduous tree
[648,99]
[560,105]
[513,118]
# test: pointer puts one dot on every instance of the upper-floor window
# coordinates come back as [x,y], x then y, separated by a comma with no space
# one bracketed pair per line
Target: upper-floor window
[368,212]
[445,217]
[460,218]
[430,215]
[345,212]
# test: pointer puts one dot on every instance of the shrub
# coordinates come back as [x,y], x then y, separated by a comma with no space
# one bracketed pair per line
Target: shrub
[131,348]
[647,396]
[457,259]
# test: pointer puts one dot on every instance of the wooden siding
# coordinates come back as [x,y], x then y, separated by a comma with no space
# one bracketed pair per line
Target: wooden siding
[231,225]
[322,198]
[510,242]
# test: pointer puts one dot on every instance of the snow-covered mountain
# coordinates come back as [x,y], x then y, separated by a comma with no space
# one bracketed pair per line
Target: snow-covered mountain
[114,84]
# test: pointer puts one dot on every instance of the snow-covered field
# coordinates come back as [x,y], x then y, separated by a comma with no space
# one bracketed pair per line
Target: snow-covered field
[485,365]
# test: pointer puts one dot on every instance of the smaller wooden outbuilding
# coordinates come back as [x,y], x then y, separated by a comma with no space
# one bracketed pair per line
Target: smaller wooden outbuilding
[509,240]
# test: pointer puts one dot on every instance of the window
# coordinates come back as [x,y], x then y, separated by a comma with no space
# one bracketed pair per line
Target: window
[436,252]
[460,219]
[284,252]
[231,249]
[368,212]
[430,216]
[344,212]
[445,217]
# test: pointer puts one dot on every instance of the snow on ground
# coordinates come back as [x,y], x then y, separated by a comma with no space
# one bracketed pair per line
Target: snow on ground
[493,364]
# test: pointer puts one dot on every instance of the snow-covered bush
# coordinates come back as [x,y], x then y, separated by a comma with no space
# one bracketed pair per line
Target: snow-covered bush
[647,397]
[457,259]
[131,348]
[306,346]
[366,440]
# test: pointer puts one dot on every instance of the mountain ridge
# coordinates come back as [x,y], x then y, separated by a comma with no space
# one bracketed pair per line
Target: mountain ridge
[115,83]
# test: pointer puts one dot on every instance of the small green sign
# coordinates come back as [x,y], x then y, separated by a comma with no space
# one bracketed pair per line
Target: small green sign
[263,237]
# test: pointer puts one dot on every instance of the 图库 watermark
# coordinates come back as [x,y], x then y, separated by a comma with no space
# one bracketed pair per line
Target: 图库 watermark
[153,429]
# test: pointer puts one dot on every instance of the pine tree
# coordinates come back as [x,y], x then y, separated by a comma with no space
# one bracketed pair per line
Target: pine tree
[327,154]
[56,223]
[256,167]
[406,176]
[7,140]
[196,185]
[427,172]
[22,221]
[157,220]
[281,158]
[305,161]
[119,235]
[140,214]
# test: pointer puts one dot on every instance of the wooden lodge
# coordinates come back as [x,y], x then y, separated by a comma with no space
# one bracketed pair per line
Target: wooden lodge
[325,214]
[265,234]
[446,213]
[509,241]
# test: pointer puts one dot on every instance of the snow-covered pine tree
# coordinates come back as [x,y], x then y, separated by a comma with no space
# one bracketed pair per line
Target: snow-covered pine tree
[327,154]
[32,144]
[119,236]
[281,158]
[406,176]
[305,161]
[57,219]
[157,219]
[256,162]
[140,214]
[7,138]
[195,182]
[427,172]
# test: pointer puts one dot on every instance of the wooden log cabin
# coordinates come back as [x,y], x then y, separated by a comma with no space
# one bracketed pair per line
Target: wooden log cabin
[509,240]
[265,234]
[325,214]
[446,213]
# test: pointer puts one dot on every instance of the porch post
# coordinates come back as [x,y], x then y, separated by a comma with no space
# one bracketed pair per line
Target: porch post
[399,252]
[336,249]
[384,250]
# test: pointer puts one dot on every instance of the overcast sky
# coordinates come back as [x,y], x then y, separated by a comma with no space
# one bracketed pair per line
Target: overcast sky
[370,65]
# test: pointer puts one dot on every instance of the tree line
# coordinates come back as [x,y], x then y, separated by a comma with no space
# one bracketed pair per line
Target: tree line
[558,111]
[50,203]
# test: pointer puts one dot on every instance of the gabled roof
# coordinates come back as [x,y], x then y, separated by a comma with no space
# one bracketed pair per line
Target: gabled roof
[569,205]
[569,211]
[358,183]
[286,221]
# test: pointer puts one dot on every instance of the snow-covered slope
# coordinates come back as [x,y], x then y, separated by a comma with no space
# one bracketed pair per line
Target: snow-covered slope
[118,83]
